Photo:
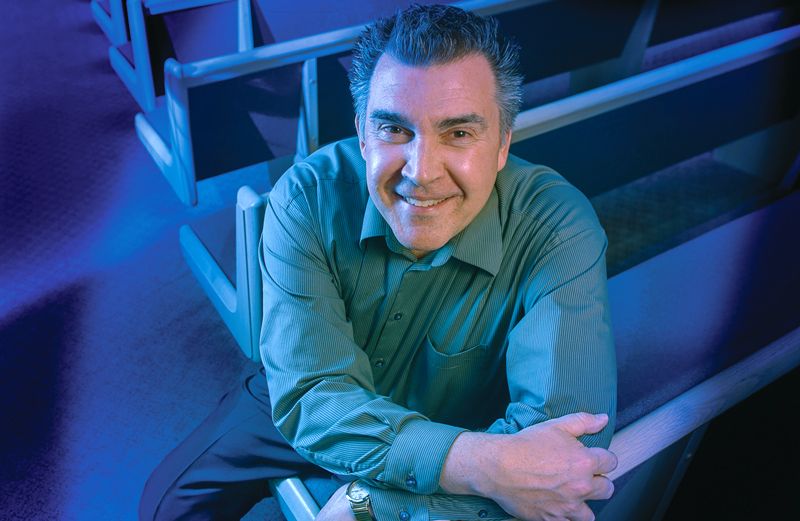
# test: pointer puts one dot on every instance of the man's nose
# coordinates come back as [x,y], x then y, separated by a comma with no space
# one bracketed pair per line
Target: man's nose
[423,161]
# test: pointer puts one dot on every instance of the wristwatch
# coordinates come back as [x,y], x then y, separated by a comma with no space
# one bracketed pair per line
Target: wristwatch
[358,496]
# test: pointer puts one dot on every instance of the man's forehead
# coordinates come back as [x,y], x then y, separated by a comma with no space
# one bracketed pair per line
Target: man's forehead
[389,116]
[390,66]
[459,92]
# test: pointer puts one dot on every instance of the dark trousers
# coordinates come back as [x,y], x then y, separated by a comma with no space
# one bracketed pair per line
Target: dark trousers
[221,470]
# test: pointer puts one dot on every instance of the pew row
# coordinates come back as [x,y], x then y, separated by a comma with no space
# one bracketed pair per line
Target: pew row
[231,94]
[211,118]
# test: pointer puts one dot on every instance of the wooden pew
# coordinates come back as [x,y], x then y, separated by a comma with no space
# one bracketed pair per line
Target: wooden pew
[724,133]
[187,30]
[682,29]
[698,329]
[111,17]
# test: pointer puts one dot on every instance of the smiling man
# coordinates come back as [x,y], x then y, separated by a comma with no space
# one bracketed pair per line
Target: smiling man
[436,331]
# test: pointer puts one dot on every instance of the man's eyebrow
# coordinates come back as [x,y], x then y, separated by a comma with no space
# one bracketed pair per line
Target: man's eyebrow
[389,116]
[464,119]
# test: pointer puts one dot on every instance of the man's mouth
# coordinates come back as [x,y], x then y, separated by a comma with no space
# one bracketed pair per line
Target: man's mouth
[420,203]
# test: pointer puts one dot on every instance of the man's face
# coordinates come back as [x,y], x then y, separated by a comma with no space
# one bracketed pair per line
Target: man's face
[433,147]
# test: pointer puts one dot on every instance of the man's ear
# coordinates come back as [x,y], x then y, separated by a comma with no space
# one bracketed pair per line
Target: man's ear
[361,143]
[502,154]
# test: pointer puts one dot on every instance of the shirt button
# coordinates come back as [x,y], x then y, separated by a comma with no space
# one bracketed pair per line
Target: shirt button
[411,482]
[397,316]
[404,516]
[379,362]
[483,513]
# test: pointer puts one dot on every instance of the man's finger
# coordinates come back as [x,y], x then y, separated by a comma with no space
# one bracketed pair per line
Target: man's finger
[602,488]
[582,513]
[580,423]
[605,461]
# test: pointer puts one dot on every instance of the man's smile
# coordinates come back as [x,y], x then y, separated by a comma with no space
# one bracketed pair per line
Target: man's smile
[424,203]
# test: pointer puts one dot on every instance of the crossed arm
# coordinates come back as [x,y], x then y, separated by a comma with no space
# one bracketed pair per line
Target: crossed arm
[531,463]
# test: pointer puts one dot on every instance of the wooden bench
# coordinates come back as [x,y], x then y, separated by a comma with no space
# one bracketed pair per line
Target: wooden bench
[233,94]
[111,17]
[722,134]
[186,30]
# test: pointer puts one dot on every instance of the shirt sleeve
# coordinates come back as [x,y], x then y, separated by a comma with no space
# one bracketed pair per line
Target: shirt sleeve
[320,381]
[561,357]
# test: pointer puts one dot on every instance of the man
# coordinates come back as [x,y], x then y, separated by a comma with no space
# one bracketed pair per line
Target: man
[436,330]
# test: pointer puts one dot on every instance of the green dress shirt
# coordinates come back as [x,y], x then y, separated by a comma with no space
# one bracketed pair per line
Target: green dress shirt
[376,361]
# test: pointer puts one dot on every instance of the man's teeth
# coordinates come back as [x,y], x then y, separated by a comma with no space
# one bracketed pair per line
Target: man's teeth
[423,204]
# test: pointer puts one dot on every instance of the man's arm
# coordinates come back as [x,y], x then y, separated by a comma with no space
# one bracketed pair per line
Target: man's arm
[560,359]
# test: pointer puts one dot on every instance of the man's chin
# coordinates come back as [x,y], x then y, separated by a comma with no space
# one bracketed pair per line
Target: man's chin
[420,248]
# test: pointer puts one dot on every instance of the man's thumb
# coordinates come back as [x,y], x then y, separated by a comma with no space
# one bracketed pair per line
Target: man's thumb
[580,423]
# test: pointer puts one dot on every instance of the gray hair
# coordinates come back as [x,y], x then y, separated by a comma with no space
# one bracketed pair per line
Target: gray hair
[434,35]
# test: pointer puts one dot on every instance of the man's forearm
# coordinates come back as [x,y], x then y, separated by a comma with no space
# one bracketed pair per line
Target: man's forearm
[465,463]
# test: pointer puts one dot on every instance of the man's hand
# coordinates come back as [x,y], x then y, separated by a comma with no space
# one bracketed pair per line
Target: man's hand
[337,508]
[542,472]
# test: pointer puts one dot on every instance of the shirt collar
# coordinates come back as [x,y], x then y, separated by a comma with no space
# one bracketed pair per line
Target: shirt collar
[374,225]
[479,244]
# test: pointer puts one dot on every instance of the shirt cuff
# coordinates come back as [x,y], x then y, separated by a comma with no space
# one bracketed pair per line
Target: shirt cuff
[397,505]
[466,508]
[416,457]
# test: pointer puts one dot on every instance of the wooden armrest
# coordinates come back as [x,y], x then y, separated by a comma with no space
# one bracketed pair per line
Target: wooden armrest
[656,431]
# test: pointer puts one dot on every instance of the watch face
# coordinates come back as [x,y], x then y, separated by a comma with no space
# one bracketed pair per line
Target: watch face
[357,493]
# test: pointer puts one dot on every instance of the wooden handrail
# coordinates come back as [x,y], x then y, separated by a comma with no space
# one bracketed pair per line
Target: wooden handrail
[301,49]
[578,107]
[652,433]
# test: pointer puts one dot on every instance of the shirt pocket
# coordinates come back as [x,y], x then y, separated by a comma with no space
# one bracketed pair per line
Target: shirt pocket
[448,388]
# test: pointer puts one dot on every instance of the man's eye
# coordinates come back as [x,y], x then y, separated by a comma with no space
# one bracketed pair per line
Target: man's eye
[393,133]
[462,135]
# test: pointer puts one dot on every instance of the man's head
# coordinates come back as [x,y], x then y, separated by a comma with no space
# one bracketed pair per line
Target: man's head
[436,93]
[433,35]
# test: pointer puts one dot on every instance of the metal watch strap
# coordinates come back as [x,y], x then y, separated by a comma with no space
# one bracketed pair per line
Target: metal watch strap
[362,508]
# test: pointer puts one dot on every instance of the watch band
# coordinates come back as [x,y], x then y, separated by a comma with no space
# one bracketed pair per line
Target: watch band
[360,504]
